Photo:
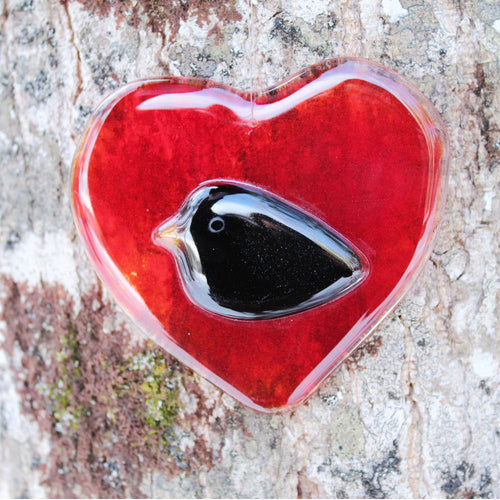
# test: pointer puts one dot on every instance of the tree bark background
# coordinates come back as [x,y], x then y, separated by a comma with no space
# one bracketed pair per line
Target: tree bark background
[415,411]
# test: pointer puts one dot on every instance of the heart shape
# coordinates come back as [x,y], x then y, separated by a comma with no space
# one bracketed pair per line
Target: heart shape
[351,143]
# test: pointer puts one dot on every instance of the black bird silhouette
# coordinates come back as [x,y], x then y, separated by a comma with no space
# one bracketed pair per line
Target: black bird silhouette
[245,253]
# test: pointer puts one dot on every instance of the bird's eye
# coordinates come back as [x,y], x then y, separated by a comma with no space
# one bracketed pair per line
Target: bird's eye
[216,225]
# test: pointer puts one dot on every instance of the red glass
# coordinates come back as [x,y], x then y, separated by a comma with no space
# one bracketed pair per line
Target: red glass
[350,142]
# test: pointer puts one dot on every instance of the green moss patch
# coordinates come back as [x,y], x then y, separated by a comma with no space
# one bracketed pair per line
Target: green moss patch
[111,410]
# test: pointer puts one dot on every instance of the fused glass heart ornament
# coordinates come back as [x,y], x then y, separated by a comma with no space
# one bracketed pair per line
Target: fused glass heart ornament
[260,238]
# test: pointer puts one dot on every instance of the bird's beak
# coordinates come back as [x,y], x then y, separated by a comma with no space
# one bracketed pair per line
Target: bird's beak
[168,235]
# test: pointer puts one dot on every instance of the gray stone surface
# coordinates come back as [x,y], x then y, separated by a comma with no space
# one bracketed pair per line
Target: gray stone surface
[417,414]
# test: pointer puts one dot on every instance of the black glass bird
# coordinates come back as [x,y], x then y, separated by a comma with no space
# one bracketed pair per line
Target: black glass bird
[244,253]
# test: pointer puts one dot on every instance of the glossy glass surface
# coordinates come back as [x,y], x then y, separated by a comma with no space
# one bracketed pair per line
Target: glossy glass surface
[347,142]
[245,254]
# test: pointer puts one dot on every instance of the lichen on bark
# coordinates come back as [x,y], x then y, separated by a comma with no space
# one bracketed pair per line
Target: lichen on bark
[110,408]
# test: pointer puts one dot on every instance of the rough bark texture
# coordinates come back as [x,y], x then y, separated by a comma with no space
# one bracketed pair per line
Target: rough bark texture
[87,407]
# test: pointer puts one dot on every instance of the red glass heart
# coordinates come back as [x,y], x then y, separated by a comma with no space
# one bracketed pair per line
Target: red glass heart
[348,141]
